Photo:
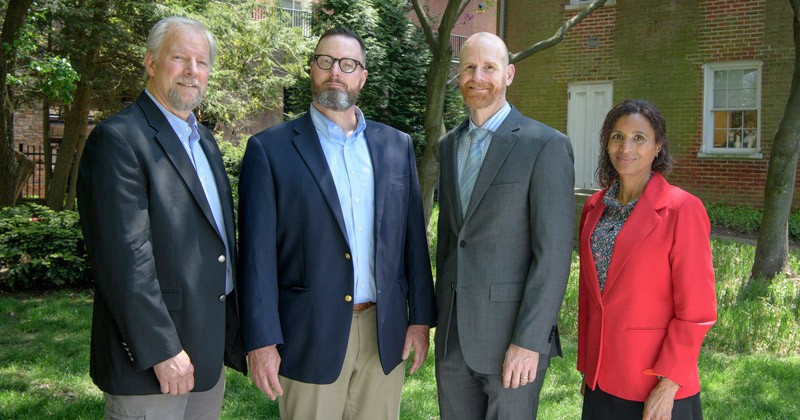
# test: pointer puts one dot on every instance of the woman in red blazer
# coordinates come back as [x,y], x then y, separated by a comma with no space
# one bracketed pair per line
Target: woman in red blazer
[646,293]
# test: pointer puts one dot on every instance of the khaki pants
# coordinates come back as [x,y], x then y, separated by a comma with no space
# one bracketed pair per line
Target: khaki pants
[362,390]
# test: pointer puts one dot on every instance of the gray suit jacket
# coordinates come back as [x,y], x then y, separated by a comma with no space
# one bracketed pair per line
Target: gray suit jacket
[508,258]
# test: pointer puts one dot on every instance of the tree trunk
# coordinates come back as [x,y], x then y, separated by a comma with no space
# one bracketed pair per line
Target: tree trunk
[75,122]
[772,250]
[434,127]
[10,169]
[47,148]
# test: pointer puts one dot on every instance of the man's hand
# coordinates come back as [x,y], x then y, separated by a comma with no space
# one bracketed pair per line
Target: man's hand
[659,404]
[176,374]
[519,367]
[264,364]
[417,337]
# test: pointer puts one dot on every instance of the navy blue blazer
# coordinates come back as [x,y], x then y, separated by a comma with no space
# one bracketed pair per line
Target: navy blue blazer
[156,254]
[295,262]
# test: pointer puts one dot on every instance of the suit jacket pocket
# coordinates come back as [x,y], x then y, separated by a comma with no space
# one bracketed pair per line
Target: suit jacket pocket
[506,292]
[172,299]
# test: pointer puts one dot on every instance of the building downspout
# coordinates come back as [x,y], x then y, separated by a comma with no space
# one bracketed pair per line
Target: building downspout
[501,24]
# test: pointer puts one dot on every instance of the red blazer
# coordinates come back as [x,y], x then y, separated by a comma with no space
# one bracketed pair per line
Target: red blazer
[659,298]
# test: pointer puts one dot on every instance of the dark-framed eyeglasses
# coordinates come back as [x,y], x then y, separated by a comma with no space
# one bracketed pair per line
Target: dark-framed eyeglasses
[347,65]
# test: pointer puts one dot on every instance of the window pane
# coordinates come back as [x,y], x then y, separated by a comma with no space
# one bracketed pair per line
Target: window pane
[751,119]
[734,98]
[720,137]
[720,80]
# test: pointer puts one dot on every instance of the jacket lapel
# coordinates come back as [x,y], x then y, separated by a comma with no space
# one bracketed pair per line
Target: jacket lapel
[169,141]
[307,144]
[503,140]
[221,180]
[592,218]
[450,176]
[376,142]
[643,219]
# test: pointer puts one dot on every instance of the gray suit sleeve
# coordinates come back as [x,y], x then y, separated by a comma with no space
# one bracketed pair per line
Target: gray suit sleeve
[552,210]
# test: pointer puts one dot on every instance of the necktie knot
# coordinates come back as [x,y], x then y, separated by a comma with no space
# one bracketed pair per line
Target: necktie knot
[478,135]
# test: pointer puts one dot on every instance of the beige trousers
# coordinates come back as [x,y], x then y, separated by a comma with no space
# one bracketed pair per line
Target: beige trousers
[361,392]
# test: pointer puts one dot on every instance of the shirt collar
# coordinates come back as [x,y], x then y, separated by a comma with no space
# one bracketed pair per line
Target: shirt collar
[494,122]
[181,127]
[332,132]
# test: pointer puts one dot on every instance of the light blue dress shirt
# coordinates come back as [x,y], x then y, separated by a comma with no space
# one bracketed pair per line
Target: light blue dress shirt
[183,129]
[491,124]
[351,166]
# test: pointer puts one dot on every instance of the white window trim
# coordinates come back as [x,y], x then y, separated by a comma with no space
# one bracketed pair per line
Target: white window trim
[707,149]
[582,4]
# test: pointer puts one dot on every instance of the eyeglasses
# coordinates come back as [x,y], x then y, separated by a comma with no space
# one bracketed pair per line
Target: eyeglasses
[347,65]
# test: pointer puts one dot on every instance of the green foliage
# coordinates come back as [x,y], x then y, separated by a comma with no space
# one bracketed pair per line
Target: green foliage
[232,155]
[739,218]
[256,58]
[57,78]
[746,220]
[40,249]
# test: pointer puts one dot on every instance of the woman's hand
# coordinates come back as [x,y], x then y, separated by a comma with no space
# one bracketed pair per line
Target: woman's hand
[659,404]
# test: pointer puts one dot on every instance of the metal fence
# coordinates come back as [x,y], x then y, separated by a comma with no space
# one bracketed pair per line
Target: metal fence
[35,186]
[298,19]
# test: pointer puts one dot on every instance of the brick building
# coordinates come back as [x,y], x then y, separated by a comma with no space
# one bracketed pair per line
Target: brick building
[719,70]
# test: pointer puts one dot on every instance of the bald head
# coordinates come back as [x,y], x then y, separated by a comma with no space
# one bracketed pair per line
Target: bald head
[486,42]
[484,73]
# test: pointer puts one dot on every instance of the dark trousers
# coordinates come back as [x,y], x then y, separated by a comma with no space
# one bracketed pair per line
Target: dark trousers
[600,405]
[468,395]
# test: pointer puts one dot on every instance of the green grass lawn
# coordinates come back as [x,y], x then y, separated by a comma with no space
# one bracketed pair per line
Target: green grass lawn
[749,368]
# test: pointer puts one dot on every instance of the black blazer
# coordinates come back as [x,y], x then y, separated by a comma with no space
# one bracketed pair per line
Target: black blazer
[297,276]
[156,255]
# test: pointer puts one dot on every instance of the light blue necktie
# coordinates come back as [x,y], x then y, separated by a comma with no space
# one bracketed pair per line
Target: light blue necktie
[472,166]
[203,169]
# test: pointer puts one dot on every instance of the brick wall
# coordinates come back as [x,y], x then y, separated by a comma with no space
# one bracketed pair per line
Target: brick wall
[655,51]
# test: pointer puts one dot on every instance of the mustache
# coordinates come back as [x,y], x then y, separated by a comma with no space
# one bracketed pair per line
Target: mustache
[188,81]
[335,80]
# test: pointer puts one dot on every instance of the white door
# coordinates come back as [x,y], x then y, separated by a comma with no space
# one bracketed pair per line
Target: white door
[587,107]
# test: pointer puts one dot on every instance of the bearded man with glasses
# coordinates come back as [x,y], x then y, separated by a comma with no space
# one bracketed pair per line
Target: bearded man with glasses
[336,278]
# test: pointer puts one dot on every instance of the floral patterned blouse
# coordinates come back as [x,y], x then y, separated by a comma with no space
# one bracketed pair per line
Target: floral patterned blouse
[607,229]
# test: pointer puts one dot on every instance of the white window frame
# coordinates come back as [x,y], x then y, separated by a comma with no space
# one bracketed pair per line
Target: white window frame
[708,150]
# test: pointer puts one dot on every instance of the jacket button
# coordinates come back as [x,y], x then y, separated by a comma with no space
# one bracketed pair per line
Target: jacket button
[347,255]
[222,298]
[462,244]
[452,285]
[221,258]
[348,298]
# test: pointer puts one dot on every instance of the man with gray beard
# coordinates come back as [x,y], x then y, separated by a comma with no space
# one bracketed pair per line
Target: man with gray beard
[336,277]
[157,217]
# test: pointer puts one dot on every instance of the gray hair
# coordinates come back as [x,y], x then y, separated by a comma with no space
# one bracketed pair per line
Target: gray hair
[156,36]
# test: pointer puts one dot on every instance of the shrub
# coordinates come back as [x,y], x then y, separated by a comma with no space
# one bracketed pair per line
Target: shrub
[746,220]
[232,155]
[41,249]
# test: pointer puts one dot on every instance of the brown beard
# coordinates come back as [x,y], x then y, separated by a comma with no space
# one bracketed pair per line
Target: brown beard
[475,100]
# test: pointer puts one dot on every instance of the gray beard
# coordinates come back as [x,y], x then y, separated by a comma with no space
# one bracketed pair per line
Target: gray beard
[336,100]
[179,105]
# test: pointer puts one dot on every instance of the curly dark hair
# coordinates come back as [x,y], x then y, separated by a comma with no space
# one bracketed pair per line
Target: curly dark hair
[606,174]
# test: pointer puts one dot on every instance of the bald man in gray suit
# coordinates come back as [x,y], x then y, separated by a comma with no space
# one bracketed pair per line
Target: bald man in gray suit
[505,242]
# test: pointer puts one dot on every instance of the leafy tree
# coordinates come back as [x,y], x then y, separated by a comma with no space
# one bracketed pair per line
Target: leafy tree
[13,165]
[438,39]
[772,250]
[104,40]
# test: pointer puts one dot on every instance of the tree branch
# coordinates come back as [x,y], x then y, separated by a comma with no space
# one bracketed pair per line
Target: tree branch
[558,36]
[425,23]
